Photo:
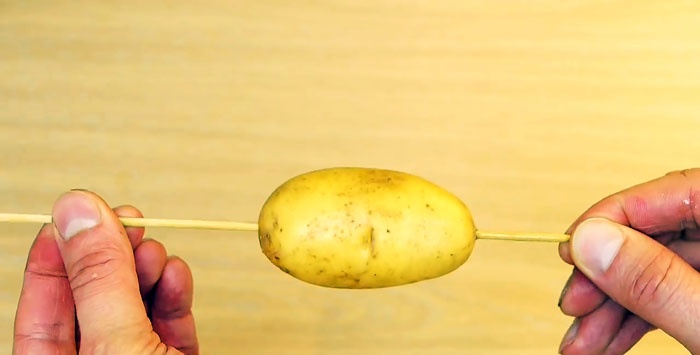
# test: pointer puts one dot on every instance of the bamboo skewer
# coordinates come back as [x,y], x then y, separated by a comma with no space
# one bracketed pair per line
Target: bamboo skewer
[524,237]
[142,222]
[252,227]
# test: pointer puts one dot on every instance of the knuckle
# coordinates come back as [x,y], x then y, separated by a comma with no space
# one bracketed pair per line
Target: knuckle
[655,284]
[690,173]
[680,172]
[94,268]
[42,331]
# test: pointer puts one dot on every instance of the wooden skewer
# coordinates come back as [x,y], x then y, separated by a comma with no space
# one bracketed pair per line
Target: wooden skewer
[524,237]
[142,222]
[249,226]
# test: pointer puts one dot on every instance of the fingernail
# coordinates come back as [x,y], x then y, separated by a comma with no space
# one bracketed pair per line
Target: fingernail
[75,212]
[595,244]
[566,288]
[570,335]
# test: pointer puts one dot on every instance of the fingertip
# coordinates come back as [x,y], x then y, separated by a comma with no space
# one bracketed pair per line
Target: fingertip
[580,296]
[595,244]
[565,289]
[179,270]
[172,313]
[179,267]
[567,342]
[150,258]
[174,293]
[591,334]
[44,250]
[135,234]
[76,212]
[565,247]
[128,211]
[565,252]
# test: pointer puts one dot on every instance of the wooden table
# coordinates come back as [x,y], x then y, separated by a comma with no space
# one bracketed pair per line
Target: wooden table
[529,111]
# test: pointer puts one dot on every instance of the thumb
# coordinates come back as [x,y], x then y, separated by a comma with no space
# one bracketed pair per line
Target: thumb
[100,265]
[641,275]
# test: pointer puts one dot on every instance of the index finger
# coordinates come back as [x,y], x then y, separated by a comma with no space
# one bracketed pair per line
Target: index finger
[660,208]
[45,317]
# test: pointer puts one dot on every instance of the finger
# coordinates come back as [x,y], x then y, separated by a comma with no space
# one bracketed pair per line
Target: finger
[641,275]
[667,204]
[135,234]
[688,251]
[632,330]
[593,333]
[100,266]
[172,307]
[45,317]
[150,257]
[580,297]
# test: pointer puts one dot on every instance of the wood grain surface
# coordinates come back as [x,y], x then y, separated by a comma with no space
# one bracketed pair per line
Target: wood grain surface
[530,111]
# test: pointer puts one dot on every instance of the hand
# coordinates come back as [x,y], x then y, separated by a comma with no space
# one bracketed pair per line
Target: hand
[635,255]
[94,287]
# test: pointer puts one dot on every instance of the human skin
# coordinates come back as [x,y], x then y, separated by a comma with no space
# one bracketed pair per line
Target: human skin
[649,280]
[104,290]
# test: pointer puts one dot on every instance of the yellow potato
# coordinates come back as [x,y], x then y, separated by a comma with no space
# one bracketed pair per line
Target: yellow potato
[364,228]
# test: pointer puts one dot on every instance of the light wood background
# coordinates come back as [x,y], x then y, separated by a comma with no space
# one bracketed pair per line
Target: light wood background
[530,111]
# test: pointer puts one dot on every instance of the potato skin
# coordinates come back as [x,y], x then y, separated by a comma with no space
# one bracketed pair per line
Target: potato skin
[351,227]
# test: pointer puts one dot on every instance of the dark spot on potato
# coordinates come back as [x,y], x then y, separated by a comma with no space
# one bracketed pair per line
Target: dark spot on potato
[277,257]
[265,240]
[347,276]
[371,242]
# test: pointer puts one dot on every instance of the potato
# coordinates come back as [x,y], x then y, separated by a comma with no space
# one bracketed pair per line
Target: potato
[364,228]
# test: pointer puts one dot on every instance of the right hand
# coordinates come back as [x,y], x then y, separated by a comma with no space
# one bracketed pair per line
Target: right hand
[635,255]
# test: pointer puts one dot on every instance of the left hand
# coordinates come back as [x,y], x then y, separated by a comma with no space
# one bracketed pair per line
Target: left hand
[102,289]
